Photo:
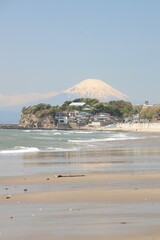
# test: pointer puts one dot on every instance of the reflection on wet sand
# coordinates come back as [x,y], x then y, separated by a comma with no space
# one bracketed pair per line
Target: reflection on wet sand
[128,157]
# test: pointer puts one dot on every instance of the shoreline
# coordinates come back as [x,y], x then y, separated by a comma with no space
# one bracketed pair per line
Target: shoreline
[120,127]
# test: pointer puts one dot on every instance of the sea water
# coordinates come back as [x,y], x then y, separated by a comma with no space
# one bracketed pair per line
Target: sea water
[27,152]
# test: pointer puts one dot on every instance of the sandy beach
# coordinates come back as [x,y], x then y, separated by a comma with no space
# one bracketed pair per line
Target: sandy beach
[99,212]
[122,127]
[82,185]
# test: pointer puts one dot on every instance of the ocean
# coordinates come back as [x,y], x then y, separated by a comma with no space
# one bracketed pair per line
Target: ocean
[31,152]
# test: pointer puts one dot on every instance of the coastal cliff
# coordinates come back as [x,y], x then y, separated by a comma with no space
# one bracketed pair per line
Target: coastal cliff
[39,116]
[32,121]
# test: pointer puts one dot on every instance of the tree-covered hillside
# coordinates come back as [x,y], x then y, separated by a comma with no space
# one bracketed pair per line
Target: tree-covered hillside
[118,109]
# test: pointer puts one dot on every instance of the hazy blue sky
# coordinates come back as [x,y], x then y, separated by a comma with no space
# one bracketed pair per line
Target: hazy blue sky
[50,45]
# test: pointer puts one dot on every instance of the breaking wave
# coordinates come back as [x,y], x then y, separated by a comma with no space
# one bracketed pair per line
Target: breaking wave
[20,150]
[102,139]
[62,149]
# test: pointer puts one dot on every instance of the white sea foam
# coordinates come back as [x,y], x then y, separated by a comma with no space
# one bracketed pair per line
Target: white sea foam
[77,132]
[102,139]
[52,149]
[20,150]
[83,132]
[45,134]
[37,130]
[31,130]
[67,133]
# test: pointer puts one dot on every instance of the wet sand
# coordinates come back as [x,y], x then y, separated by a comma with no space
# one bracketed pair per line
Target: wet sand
[119,200]
[82,207]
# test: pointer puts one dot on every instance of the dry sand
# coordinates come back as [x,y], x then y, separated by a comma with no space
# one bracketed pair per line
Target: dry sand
[89,212]
[120,129]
